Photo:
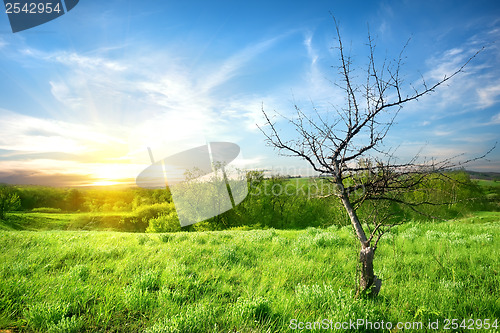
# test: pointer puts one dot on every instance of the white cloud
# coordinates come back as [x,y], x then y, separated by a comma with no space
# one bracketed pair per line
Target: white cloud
[453,52]
[446,63]
[130,103]
[313,90]
[384,15]
[443,133]
[30,134]
[45,148]
[80,173]
[488,96]
[495,119]
[470,91]
[477,139]
[310,51]
[63,93]
[75,60]
[229,68]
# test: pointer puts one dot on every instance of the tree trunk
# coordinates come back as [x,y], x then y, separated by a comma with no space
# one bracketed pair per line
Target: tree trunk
[354,220]
[368,281]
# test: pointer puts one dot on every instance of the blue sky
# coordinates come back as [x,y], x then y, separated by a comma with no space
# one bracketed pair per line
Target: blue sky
[83,96]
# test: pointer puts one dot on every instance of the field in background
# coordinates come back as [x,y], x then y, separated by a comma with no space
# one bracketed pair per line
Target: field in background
[34,221]
[250,281]
[281,203]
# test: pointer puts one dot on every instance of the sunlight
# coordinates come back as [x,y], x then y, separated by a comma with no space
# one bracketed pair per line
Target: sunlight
[114,174]
[104,183]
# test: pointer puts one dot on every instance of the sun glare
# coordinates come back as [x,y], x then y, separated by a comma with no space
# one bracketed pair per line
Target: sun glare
[105,183]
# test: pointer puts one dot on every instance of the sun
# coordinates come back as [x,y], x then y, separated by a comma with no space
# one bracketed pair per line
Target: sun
[105,183]
[111,174]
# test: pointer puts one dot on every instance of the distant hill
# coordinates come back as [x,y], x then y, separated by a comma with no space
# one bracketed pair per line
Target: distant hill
[484,175]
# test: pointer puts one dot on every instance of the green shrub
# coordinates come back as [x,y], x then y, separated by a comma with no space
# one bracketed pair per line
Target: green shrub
[148,212]
[168,222]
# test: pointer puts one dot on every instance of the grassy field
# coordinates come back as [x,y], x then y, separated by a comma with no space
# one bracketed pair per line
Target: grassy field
[488,183]
[38,221]
[34,221]
[245,281]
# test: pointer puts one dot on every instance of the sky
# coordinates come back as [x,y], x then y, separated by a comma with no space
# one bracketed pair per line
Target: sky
[82,97]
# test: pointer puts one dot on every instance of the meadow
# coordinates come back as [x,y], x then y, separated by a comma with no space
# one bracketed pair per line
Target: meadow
[245,281]
[100,261]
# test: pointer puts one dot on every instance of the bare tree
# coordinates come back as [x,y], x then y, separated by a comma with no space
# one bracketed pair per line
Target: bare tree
[347,148]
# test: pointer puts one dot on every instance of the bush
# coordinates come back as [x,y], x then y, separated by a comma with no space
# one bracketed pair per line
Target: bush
[164,223]
[143,214]
[159,217]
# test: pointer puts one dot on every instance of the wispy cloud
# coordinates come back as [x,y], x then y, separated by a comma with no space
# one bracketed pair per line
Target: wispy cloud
[384,15]
[75,60]
[489,95]
[315,89]
[111,110]
[495,120]
[476,88]
[230,67]
[83,62]
[112,102]
[313,56]
[31,134]
[38,149]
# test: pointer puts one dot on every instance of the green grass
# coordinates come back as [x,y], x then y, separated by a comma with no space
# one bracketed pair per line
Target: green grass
[35,221]
[246,281]
[491,190]
[488,183]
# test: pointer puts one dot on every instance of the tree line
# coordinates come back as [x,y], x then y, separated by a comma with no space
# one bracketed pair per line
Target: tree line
[273,202]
